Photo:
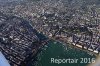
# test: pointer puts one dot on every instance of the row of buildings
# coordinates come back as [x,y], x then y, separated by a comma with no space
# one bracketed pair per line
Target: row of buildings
[19,41]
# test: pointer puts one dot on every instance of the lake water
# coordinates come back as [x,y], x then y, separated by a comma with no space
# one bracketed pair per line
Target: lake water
[63,51]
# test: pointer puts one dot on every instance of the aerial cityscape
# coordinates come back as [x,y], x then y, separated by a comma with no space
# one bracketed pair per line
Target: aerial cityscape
[34,32]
